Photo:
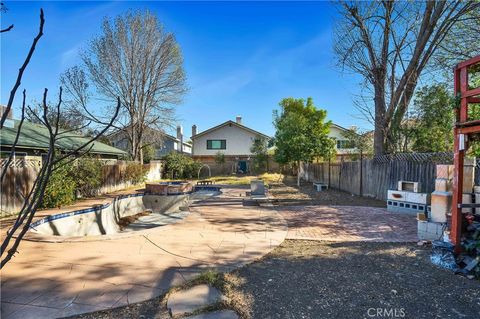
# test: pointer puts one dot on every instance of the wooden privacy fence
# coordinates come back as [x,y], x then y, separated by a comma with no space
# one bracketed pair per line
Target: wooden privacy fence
[22,173]
[373,177]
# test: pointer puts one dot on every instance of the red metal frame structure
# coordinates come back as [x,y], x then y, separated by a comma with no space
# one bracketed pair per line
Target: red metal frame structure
[464,129]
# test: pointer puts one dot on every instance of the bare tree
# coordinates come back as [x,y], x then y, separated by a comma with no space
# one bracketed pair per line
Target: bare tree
[137,60]
[51,162]
[391,43]
[3,9]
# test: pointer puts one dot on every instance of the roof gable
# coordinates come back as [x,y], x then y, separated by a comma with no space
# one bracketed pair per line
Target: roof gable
[230,122]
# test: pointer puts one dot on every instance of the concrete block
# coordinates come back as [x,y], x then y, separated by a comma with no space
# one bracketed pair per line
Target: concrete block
[466,199]
[430,230]
[422,216]
[409,186]
[468,178]
[422,225]
[443,185]
[396,195]
[445,171]
[477,200]
[257,187]
[405,207]
[441,204]
[419,198]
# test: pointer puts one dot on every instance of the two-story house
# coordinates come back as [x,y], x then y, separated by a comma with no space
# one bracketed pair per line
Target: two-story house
[161,142]
[343,147]
[232,139]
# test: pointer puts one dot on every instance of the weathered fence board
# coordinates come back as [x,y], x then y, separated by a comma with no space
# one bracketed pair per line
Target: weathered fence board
[371,177]
[21,175]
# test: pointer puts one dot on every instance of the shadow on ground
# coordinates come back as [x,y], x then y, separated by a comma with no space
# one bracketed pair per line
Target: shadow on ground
[306,279]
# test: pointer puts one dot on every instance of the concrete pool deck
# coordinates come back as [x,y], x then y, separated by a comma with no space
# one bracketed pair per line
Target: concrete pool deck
[50,280]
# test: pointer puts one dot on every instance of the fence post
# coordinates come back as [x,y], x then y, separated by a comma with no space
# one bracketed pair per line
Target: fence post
[361,173]
[329,173]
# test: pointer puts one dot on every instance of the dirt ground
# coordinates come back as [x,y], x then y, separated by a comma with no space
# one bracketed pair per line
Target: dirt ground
[287,193]
[313,279]
[309,279]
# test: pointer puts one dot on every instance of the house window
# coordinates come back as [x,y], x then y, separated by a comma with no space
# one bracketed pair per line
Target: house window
[216,144]
[344,144]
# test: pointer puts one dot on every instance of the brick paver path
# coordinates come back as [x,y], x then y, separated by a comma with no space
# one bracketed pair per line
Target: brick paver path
[58,279]
[348,223]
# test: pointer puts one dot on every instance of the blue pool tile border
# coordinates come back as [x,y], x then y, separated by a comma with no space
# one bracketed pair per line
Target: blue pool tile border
[100,207]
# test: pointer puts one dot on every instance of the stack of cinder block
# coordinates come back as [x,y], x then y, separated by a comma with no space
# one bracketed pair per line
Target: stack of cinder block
[407,198]
[432,225]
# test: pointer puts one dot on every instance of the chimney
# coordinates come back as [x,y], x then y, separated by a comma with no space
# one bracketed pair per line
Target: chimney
[239,119]
[3,108]
[180,137]
[194,130]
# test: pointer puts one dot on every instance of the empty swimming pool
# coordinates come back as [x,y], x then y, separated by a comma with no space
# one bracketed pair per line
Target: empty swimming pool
[125,213]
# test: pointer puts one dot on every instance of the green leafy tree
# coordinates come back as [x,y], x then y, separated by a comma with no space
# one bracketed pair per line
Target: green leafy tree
[432,119]
[87,173]
[179,165]
[60,189]
[362,142]
[148,153]
[301,133]
[260,150]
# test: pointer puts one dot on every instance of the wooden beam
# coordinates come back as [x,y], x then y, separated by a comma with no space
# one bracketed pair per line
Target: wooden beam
[469,129]
[471,93]
[456,222]
[473,100]
[468,62]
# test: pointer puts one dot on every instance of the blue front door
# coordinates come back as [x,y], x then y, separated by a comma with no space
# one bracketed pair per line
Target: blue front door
[242,167]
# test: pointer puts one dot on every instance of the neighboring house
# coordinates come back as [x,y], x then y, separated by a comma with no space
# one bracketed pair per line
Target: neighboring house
[167,143]
[230,138]
[343,146]
[33,140]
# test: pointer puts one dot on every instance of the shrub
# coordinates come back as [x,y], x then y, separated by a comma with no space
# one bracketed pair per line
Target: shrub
[88,176]
[179,165]
[148,153]
[134,173]
[260,150]
[60,190]
[220,158]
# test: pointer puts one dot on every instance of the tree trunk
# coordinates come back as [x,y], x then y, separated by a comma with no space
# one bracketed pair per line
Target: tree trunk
[379,134]
[298,174]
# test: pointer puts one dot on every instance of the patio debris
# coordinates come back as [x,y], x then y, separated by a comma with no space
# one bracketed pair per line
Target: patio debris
[127,220]
[442,255]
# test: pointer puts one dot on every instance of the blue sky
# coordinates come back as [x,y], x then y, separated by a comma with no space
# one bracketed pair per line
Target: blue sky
[241,58]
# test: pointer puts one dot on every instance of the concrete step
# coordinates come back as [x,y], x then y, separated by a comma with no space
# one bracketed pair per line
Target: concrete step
[189,300]
[221,314]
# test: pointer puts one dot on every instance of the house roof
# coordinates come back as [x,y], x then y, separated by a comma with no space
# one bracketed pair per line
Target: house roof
[230,122]
[35,136]
[122,134]
[173,138]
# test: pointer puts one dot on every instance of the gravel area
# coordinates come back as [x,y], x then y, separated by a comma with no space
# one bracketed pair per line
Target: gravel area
[288,194]
[308,279]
